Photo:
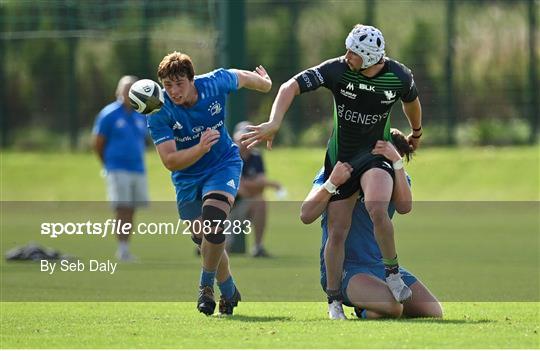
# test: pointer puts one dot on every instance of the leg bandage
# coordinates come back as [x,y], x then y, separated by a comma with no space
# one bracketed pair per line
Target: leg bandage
[212,213]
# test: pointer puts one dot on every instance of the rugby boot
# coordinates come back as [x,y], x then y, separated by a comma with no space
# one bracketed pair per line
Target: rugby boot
[335,310]
[206,303]
[226,306]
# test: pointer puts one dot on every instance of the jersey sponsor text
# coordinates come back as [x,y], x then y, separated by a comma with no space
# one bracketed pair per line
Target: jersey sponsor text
[196,135]
[358,117]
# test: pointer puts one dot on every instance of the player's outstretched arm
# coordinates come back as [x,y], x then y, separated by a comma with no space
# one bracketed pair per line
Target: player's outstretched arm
[175,160]
[257,80]
[413,111]
[317,199]
[267,131]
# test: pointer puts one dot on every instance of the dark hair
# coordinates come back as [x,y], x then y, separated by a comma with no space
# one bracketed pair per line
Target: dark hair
[402,145]
[176,65]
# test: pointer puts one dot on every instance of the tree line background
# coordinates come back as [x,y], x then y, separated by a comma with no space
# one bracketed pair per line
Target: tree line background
[475,62]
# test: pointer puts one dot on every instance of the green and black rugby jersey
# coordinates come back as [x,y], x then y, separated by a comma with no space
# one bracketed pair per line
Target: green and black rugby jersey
[361,105]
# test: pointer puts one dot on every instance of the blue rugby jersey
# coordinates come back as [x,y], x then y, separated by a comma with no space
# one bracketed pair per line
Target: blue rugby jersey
[185,125]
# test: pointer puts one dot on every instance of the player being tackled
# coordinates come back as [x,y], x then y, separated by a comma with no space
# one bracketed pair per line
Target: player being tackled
[365,85]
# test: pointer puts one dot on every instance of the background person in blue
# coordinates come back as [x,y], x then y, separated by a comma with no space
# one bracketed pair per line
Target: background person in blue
[363,283]
[119,141]
[192,141]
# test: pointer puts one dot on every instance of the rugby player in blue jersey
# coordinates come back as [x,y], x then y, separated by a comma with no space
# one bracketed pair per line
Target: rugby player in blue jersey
[192,141]
[363,284]
[365,84]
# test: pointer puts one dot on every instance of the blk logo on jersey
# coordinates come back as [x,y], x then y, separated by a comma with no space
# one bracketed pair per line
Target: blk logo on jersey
[363,86]
[231,184]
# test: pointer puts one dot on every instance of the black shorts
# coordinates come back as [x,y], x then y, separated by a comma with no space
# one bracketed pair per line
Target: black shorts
[361,163]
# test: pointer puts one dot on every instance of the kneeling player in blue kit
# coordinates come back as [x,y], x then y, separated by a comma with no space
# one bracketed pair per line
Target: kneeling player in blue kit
[363,285]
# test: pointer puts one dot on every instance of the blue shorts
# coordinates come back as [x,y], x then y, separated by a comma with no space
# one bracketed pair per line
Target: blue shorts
[375,271]
[224,178]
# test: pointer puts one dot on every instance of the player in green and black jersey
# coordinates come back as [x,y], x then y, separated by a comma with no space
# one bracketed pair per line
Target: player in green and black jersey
[365,85]
[361,115]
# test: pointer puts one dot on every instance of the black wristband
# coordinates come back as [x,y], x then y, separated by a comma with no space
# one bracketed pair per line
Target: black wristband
[417,136]
[417,130]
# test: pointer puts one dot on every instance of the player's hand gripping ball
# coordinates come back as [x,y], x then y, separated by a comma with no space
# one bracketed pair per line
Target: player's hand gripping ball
[146,96]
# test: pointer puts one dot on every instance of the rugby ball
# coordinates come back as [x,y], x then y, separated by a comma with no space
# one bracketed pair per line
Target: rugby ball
[146,96]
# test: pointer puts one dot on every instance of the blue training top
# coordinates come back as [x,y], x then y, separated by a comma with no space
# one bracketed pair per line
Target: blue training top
[124,132]
[185,125]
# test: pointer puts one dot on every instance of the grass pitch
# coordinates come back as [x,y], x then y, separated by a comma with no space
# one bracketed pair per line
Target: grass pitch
[485,249]
[439,174]
[261,325]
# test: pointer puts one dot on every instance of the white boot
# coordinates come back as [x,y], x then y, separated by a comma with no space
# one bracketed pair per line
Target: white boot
[335,310]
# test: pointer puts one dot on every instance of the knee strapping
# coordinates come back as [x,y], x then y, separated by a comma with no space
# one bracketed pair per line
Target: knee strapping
[212,213]
[216,196]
